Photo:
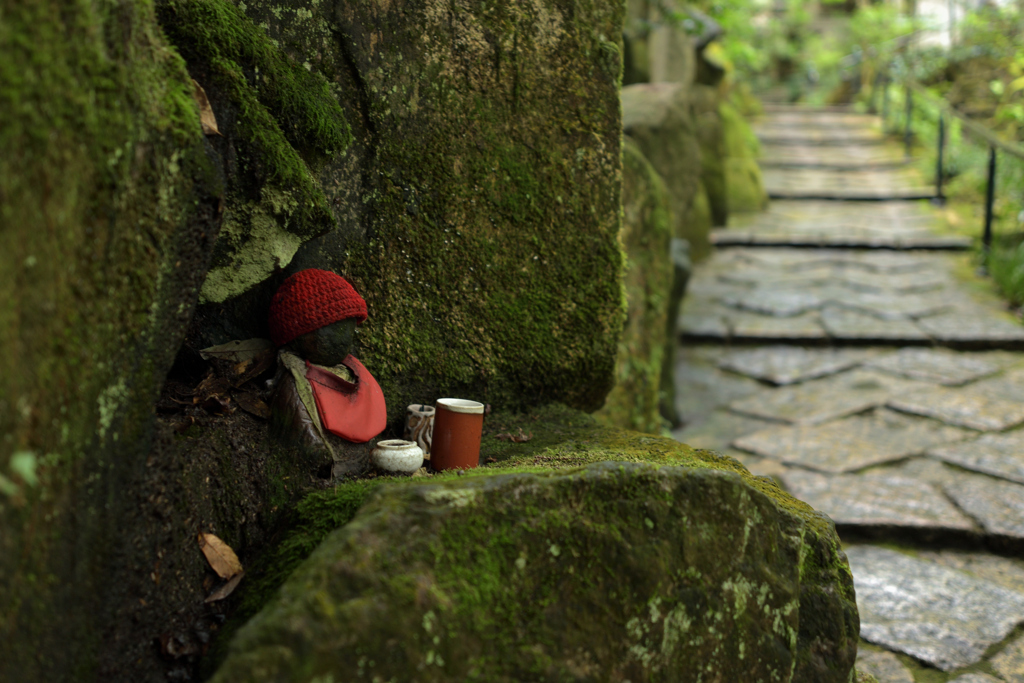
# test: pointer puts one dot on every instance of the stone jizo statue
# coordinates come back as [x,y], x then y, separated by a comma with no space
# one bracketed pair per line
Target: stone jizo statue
[324,400]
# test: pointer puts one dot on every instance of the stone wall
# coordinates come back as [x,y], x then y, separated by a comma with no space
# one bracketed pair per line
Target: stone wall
[646,237]
[460,163]
[676,108]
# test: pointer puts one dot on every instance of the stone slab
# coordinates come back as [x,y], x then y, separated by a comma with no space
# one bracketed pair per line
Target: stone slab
[996,504]
[892,305]
[782,365]
[977,406]
[933,613]
[975,329]
[1009,663]
[703,324]
[753,327]
[876,500]
[847,324]
[704,386]
[849,239]
[850,444]
[782,303]
[901,283]
[718,429]
[974,678]
[1007,572]
[934,472]
[768,277]
[1001,455]
[939,366]
[823,399]
[884,666]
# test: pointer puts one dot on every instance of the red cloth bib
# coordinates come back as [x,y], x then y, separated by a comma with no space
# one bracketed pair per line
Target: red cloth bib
[355,412]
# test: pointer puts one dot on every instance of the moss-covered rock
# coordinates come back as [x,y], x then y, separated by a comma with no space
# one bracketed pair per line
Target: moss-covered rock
[477,200]
[705,101]
[646,236]
[279,120]
[660,119]
[461,164]
[742,172]
[109,203]
[626,570]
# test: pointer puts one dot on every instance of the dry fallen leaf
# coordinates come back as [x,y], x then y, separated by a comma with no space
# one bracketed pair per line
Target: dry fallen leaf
[522,438]
[238,351]
[225,590]
[206,118]
[220,556]
[252,404]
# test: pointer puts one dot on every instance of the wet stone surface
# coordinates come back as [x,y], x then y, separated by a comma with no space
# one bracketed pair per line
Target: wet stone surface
[884,666]
[939,366]
[824,399]
[967,327]
[1001,455]
[979,406]
[1010,662]
[846,323]
[792,364]
[805,327]
[779,303]
[811,333]
[936,614]
[851,444]
[876,500]
[1007,572]
[997,505]
[973,678]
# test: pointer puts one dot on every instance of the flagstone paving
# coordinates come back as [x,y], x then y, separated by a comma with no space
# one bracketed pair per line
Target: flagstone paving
[834,346]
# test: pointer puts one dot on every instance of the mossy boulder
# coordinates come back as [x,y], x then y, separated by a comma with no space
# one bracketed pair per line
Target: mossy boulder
[659,118]
[646,237]
[633,571]
[742,172]
[706,101]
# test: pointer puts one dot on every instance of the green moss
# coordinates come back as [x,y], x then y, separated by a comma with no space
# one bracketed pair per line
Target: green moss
[104,190]
[289,123]
[742,172]
[647,278]
[560,438]
[515,576]
[491,268]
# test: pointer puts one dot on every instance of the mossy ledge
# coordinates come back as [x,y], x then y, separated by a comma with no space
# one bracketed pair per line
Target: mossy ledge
[631,542]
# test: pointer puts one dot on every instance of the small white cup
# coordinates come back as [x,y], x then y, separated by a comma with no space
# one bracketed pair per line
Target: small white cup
[398,456]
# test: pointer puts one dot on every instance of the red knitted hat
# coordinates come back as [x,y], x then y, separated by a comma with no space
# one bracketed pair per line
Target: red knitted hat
[311,299]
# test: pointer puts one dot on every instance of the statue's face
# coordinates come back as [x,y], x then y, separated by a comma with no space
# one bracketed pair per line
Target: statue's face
[327,346]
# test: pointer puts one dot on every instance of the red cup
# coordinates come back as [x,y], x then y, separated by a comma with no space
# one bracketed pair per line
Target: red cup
[458,424]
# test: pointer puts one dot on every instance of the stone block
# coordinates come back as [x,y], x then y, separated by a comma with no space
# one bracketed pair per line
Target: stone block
[614,568]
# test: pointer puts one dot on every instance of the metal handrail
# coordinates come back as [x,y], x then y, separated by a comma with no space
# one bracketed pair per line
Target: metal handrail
[976,128]
[995,144]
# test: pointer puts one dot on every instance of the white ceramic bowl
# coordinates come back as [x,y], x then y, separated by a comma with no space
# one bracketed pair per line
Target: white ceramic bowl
[398,456]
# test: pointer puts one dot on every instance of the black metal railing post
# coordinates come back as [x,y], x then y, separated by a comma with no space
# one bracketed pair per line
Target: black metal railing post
[908,131]
[885,106]
[990,193]
[938,161]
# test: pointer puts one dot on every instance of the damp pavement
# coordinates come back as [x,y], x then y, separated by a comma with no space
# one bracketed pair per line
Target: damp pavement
[839,344]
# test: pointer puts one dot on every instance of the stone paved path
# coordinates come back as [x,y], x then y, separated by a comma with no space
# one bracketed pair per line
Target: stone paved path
[837,347]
